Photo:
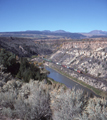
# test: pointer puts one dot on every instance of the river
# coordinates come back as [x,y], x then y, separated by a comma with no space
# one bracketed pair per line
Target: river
[68,82]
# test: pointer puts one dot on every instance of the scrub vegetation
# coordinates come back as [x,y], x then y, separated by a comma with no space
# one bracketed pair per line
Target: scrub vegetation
[40,101]
[31,98]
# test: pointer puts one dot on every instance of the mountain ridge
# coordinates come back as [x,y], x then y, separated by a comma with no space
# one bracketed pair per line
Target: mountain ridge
[47,34]
[98,32]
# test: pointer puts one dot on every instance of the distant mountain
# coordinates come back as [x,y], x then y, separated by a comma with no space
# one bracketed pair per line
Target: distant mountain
[46,31]
[98,32]
[60,31]
[46,34]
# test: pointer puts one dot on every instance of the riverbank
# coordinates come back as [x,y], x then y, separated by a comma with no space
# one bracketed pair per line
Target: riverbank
[94,90]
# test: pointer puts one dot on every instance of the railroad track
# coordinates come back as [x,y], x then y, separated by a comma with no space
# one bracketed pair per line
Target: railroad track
[76,70]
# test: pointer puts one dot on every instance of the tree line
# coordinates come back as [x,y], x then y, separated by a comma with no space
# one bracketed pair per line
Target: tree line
[21,68]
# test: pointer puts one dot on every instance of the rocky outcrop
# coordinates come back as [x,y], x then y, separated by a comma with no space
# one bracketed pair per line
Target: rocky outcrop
[82,55]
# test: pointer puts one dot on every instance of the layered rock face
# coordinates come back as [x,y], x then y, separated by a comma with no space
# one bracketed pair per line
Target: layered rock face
[89,57]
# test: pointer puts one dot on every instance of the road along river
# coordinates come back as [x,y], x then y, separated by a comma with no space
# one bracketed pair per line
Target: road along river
[68,82]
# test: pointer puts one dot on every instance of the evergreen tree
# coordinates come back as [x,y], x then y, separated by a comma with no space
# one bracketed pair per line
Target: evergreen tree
[28,71]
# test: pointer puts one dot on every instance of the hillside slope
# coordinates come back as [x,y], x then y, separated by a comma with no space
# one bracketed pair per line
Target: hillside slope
[24,47]
[88,57]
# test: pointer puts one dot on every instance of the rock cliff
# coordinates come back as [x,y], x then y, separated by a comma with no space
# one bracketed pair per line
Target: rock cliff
[89,57]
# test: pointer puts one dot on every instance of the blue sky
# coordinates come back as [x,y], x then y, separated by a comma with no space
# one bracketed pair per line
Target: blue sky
[68,15]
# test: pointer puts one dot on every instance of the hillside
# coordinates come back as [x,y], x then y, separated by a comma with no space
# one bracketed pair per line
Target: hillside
[83,53]
[90,57]
[24,47]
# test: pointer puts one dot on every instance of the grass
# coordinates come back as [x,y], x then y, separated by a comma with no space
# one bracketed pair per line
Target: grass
[95,90]
[57,83]
[53,81]
[33,56]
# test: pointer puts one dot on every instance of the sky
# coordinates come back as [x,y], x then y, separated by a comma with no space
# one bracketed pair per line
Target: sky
[68,15]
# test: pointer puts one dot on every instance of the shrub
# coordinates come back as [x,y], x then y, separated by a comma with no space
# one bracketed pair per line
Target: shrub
[99,74]
[9,62]
[86,71]
[28,71]
[37,105]
[34,107]
[66,105]
[40,64]
[38,101]
[96,110]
